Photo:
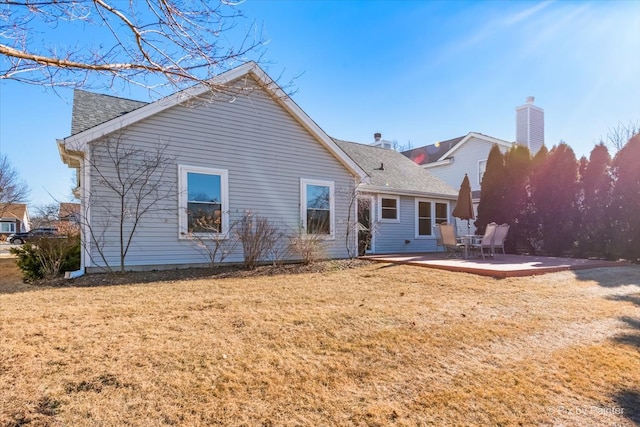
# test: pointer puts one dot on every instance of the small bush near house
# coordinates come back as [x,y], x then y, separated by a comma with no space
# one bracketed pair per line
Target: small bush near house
[258,237]
[309,247]
[48,257]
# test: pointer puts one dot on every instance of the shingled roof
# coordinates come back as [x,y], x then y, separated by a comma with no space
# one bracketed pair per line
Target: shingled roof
[432,153]
[91,109]
[392,171]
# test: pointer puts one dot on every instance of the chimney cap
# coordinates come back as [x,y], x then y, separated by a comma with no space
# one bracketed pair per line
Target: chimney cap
[377,136]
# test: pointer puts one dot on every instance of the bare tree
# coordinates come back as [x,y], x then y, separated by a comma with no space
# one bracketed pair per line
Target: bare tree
[150,43]
[12,188]
[619,135]
[133,185]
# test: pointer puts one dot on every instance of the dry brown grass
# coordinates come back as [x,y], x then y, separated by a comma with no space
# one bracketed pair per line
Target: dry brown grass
[375,345]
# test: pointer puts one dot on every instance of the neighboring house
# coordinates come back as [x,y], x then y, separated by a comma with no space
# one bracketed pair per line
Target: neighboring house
[400,202]
[69,212]
[258,152]
[450,160]
[14,218]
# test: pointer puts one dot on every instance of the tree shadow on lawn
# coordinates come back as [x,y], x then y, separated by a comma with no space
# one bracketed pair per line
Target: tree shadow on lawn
[629,402]
[612,277]
[628,399]
[632,337]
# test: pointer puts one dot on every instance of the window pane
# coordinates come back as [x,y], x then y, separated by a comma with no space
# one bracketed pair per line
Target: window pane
[203,187]
[424,227]
[318,197]
[204,217]
[441,213]
[389,203]
[318,221]
[424,209]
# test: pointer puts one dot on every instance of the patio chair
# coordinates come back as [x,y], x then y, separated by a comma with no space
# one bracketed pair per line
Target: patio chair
[449,241]
[486,241]
[499,237]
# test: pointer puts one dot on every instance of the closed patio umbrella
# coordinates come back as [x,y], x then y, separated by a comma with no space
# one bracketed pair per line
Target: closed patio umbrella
[464,206]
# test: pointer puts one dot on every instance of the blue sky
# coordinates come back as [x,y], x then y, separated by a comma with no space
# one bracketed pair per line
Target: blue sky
[416,71]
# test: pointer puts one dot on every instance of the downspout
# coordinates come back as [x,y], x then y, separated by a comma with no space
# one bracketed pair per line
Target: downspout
[68,158]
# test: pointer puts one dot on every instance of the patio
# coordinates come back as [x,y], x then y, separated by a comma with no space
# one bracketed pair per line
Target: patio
[500,266]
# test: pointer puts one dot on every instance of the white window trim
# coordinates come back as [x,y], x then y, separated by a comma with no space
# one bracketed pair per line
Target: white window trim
[433,216]
[183,232]
[389,220]
[303,205]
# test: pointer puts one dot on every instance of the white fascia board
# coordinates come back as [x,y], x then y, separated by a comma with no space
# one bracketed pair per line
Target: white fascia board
[79,141]
[438,163]
[311,126]
[480,136]
[393,191]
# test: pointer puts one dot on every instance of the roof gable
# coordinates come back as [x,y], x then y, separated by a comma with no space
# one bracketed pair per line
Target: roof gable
[441,151]
[391,172]
[14,211]
[71,146]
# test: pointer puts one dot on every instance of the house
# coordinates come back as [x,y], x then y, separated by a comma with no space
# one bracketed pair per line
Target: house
[69,212]
[14,218]
[250,149]
[450,160]
[399,203]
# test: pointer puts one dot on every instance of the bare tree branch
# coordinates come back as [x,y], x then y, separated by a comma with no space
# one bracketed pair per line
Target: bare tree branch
[152,43]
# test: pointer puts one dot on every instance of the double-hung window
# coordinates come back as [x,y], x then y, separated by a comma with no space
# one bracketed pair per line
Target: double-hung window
[429,213]
[204,203]
[389,208]
[318,209]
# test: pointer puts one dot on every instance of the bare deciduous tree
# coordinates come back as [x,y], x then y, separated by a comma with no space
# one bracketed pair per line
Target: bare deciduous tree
[150,43]
[133,185]
[12,188]
[619,135]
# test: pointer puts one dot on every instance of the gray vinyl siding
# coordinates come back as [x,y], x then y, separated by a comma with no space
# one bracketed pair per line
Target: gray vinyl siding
[392,237]
[266,153]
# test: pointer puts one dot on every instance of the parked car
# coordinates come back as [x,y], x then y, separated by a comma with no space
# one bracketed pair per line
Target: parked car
[36,233]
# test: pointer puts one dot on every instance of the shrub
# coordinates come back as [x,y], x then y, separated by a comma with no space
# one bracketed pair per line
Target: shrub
[309,247]
[48,257]
[258,237]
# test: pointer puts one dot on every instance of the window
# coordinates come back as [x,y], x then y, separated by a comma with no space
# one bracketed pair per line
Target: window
[203,200]
[7,227]
[482,168]
[389,209]
[429,213]
[424,218]
[317,206]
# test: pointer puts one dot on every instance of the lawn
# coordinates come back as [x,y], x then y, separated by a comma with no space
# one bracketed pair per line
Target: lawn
[375,345]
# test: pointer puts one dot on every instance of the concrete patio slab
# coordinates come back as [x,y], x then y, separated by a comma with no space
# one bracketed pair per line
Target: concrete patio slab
[500,266]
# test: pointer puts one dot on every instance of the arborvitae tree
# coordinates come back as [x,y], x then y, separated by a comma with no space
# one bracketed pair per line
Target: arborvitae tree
[594,200]
[625,204]
[491,191]
[532,220]
[517,166]
[555,195]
